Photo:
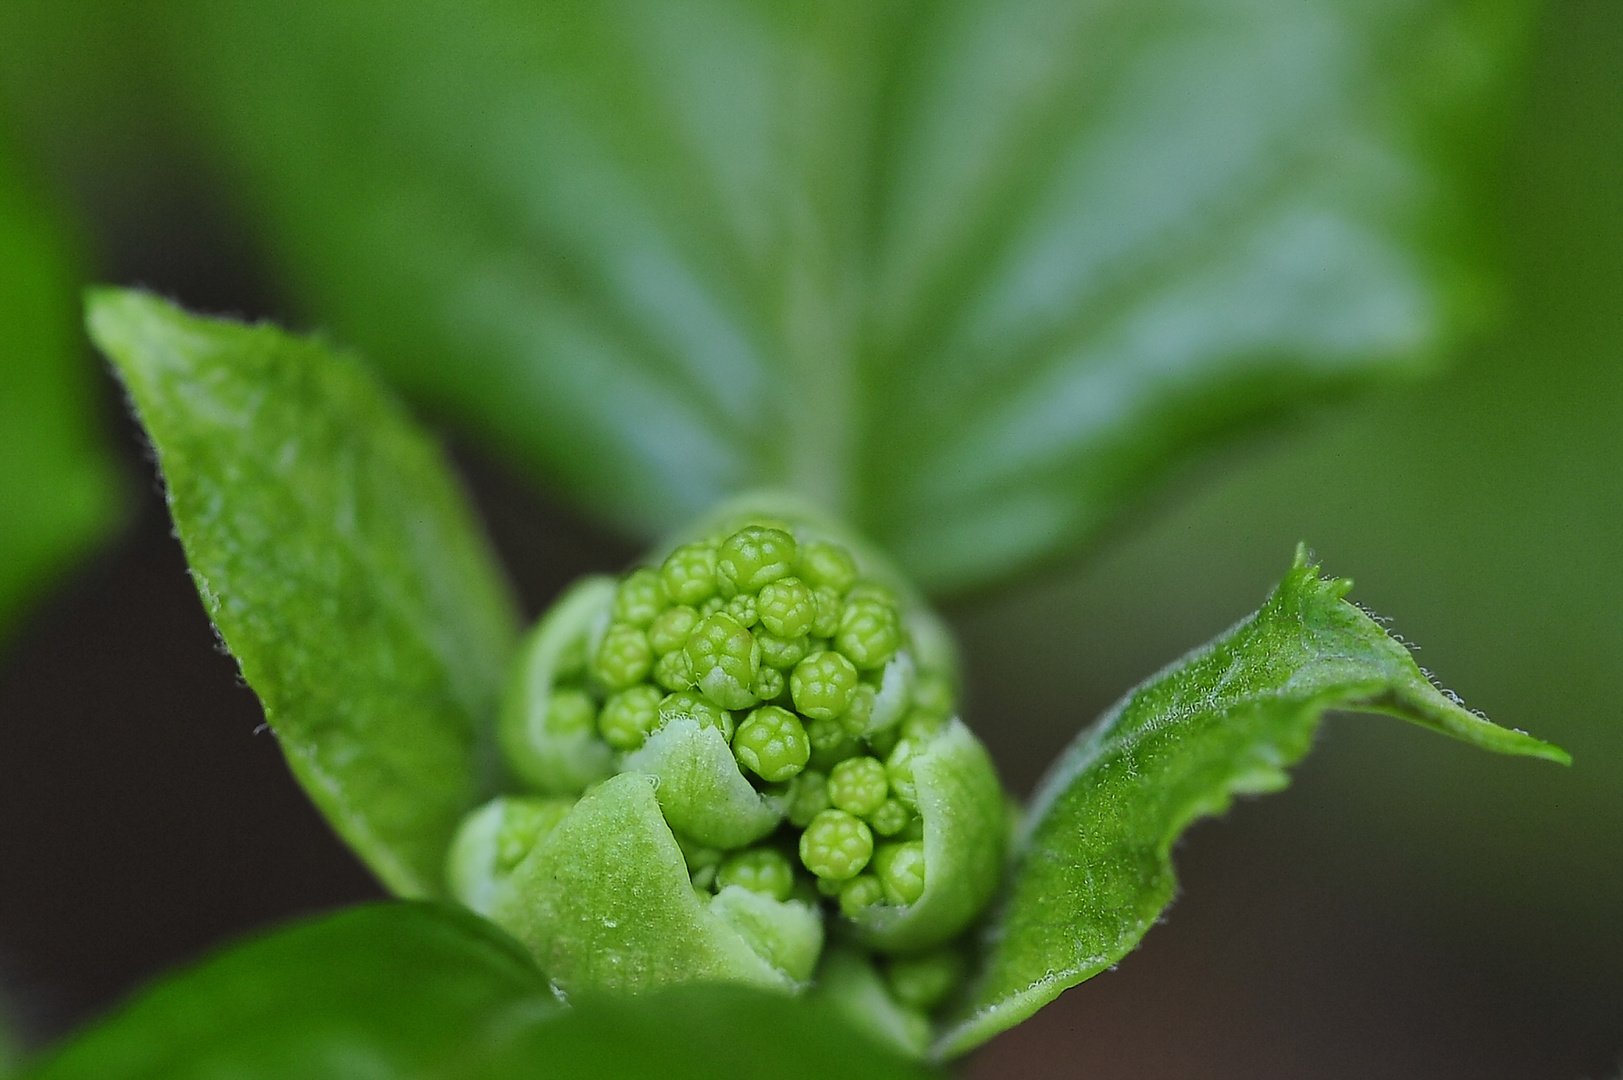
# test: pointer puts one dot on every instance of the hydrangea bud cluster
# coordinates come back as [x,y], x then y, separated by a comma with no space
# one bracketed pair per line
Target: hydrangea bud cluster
[779,696]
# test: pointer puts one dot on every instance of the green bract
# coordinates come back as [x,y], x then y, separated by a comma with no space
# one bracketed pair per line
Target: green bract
[744,843]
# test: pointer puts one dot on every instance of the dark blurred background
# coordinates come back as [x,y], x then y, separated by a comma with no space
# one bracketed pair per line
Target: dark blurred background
[1409,908]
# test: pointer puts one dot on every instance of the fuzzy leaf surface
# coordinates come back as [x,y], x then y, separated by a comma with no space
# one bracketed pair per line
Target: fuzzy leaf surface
[971,274]
[1094,865]
[58,491]
[341,563]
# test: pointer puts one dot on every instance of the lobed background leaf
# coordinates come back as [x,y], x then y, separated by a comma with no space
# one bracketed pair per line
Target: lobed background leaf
[339,560]
[972,273]
[428,992]
[1094,868]
[59,492]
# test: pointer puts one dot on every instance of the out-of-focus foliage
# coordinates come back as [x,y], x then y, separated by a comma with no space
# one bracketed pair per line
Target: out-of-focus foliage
[971,273]
[58,492]
[432,993]
[340,561]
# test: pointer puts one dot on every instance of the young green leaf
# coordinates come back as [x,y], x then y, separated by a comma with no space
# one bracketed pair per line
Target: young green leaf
[341,563]
[1094,862]
[385,991]
[972,274]
[57,489]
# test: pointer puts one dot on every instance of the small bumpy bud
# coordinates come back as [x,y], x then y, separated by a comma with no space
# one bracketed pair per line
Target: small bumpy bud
[724,658]
[624,658]
[862,891]
[858,786]
[822,685]
[762,870]
[900,870]
[827,565]
[753,556]
[769,683]
[670,629]
[689,574]
[808,798]
[856,716]
[827,605]
[891,817]
[786,607]
[629,716]
[781,653]
[899,768]
[706,712]
[772,744]
[836,845]
[640,597]
[570,711]
[870,633]
[674,671]
[742,608]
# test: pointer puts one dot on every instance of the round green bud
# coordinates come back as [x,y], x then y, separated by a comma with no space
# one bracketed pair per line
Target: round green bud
[711,606]
[858,785]
[742,608]
[836,845]
[570,711]
[925,981]
[670,629]
[870,633]
[689,574]
[762,870]
[781,653]
[827,604]
[900,870]
[724,658]
[700,708]
[899,769]
[753,556]
[769,683]
[786,607]
[623,659]
[857,714]
[808,798]
[862,891]
[828,565]
[891,817]
[629,716]
[640,597]
[772,744]
[674,671]
[822,685]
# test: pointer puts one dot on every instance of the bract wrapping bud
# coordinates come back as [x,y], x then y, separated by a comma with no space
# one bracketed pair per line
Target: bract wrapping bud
[754,735]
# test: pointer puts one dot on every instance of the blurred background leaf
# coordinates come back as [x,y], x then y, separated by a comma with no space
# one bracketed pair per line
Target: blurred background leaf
[974,272]
[59,492]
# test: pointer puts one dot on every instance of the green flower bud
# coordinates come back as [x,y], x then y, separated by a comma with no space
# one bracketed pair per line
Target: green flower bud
[828,605]
[858,786]
[870,633]
[570,711]
[830,744]
[769,683]
[772,744]
[899,769]
[493,840]
[786,607]
[761,870]
[857,716]
[925,981]
[711,606]
[629,716]
[862,891]
[891,818]
[808,798]
[836,845]
[640,597]
[753,556]
[781,653]
[624,657]
[674,671]
[742,608]
[900,869]
[827,565]
[724,658]
[822,685]
[689,574]
[706,712]
[670,629]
